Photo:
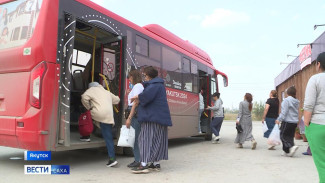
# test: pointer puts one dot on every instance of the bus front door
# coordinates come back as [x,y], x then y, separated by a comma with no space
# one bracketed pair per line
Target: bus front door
[205,85]
[112,75]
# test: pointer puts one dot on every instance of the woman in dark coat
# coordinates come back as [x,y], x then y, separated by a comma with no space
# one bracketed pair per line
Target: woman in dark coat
[154,117]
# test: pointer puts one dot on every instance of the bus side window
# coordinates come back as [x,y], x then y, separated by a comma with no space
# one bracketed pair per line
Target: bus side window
[172,66]
[194,73]
[187,77]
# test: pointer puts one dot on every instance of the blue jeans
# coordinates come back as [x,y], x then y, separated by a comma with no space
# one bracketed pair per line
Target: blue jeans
[216,125]
[200,112]
[270,122]
[108,137]
[137,127]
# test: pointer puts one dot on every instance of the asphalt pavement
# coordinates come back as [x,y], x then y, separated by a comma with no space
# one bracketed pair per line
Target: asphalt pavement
[190,160]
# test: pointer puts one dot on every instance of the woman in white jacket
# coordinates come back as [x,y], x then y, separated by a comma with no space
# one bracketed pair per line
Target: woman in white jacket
[100,102]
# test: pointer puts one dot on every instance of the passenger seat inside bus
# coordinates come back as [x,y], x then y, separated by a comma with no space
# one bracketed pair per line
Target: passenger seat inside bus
[77,81]
[77,89]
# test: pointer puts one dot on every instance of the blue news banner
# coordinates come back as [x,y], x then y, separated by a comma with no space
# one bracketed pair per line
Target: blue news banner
[43,169]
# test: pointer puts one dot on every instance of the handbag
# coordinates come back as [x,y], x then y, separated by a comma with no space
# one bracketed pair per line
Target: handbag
[127,137]
[239,128]
[85,124]
[127,112]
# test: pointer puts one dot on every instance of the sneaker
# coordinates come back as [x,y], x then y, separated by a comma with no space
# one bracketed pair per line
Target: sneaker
[271,147]
[285,154]
[214,137]
[154,167]
[254,143]
[140,169]
[306,153]
[293,150]
[215,141]
[85,138]
[111,163]
[240,145]
[134,164]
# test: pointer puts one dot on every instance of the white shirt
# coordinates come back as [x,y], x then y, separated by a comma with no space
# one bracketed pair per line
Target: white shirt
[201,101]
[136,90]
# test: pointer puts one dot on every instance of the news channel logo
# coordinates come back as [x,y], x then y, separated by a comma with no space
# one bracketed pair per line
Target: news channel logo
[37,155]
[47,169]
[43,169]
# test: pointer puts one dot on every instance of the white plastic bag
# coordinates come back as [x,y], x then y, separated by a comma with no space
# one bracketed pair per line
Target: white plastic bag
[274,138]
[264,127]
[127,137]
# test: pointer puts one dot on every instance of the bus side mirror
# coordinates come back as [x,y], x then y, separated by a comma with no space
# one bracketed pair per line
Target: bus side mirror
[225,81]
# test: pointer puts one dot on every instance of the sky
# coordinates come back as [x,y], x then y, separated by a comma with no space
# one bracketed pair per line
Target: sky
[247,40]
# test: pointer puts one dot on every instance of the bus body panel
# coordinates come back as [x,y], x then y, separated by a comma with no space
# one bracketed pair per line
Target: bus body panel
[182,102]
[36,132]
[39,125]
[13,91]
[42,40]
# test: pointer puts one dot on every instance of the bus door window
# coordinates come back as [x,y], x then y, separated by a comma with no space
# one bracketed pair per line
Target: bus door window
[204,88]
[111,65]
[213,89]
[79,62]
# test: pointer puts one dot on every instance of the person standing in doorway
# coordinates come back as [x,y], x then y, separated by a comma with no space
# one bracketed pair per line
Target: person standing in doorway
[218,117]
[135,79]
[289,118]
[271,113]
[245,120]
[100,103]
[154,117]
[314,116]
[201,108]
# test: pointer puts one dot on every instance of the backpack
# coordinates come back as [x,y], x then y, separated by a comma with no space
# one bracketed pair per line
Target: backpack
[86,126]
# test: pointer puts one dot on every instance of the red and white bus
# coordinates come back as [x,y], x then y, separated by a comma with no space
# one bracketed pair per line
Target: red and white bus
[51,49]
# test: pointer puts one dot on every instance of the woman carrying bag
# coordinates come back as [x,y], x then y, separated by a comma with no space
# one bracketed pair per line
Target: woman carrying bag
[271,112]
[289,118]
[245,121]
[154,117]
[132,119]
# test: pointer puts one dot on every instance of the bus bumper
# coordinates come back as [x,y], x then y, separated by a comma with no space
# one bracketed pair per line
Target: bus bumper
[23,132]
[8,132]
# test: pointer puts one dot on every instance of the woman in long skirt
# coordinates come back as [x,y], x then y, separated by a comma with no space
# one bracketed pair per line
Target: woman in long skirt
[245,120]
[154,117]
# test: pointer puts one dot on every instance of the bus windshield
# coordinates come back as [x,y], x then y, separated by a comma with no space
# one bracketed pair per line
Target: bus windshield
[17,22]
